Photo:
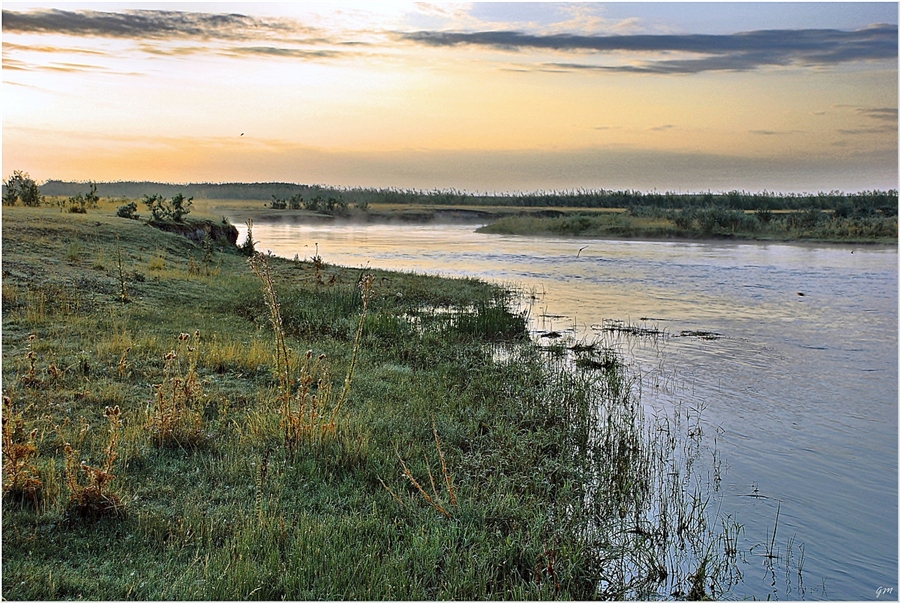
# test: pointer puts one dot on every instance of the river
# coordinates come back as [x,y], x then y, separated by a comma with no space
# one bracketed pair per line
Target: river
[797,380]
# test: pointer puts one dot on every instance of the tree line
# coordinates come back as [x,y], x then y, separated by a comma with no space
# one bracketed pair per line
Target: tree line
[871,201]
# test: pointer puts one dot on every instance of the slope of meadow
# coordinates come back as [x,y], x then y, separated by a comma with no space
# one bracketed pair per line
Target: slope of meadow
[166,435]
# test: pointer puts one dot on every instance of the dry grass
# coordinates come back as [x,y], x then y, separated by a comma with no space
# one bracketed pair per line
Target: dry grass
[440,503]
[308,405]
[173,420]
[20,477]
[93,501]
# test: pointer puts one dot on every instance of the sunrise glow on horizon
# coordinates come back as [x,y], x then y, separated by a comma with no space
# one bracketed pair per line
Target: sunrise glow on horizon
[474,96]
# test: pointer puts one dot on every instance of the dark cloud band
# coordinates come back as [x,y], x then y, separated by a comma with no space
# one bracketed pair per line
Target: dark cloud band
[141,24]
[739,51]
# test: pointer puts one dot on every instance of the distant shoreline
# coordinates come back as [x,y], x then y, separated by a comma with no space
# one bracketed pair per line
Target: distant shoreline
[608,224]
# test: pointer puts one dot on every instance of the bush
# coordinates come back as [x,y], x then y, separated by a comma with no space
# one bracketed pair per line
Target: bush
[20,187]
[683,218]
[161,210]
[80,203]
[248,247]
[128,211]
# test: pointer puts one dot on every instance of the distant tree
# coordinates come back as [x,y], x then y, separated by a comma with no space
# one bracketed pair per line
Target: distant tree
[312,204]
[80,203]
[20,187]
[157,206]
[180,207]
[161,209]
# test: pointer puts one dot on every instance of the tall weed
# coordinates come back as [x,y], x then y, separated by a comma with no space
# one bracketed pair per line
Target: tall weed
[173,420]
[21,483]
[307,404]
[92,501]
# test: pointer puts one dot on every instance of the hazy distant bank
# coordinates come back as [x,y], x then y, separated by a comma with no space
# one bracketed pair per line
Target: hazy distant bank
[882,201]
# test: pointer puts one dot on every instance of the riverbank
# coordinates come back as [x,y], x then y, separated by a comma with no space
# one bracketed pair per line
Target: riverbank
[813,226]
[433,452]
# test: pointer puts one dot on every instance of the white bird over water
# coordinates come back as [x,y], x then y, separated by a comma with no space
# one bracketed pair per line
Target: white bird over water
[580,250]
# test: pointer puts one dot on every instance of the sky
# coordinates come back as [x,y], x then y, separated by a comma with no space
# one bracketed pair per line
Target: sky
[481,97]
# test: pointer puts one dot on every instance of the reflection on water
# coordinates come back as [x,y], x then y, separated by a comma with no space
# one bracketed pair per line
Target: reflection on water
[800,387]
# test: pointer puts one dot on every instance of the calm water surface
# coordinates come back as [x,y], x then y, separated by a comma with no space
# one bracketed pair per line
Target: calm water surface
[799,392]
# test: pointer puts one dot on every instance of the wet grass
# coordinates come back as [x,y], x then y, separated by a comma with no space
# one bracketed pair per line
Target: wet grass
[171,409]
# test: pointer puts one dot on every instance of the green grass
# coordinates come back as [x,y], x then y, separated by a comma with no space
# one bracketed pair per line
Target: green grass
[558,487]
[708,223]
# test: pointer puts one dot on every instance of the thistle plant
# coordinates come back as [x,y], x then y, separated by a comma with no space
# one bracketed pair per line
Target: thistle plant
[308,406]
[93,500]
[438,502]
[173,420]
[20,480]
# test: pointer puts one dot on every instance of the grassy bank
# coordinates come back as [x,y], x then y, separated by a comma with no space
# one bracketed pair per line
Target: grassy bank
[166,435]
[711,223]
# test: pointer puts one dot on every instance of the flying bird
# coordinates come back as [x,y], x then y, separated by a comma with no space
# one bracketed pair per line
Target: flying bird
[580,250]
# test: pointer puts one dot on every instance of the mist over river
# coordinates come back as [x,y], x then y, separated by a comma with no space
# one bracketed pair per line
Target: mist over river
[797,380]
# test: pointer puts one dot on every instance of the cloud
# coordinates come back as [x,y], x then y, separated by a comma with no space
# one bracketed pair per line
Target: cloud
[174,34]
[8,46]
[775,132]
[146,24]
[728,52]
[888,114]
[863,131]
[271,51]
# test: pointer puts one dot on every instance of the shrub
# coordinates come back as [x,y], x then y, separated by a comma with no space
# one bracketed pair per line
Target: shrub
[80,203]
[20,187]
[180,207]
[248,246]
[683,218]
[128,211]
[161,209]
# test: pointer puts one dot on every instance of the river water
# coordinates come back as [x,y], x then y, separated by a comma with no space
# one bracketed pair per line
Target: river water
[798,384]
